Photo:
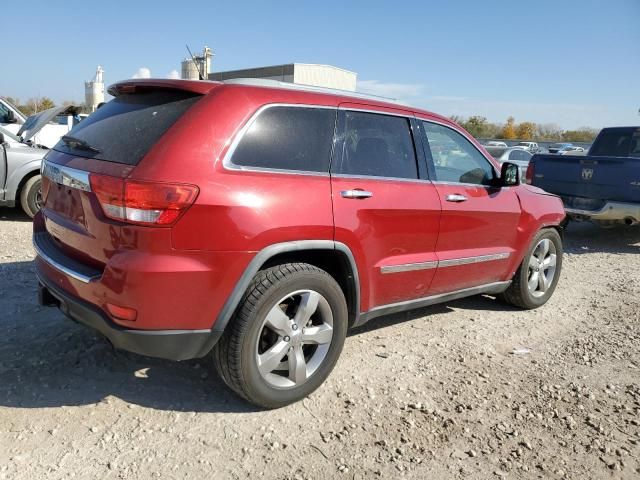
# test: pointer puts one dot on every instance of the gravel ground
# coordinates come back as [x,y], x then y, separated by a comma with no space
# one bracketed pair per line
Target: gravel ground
[438,393]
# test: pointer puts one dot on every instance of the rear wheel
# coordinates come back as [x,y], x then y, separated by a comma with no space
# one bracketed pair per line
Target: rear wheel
[538,274]
[31,196]
[285,337]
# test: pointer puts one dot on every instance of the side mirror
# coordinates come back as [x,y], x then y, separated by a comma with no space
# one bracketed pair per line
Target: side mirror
[509,175]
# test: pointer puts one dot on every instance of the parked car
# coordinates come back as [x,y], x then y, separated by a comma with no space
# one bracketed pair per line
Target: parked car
[556,147]
[528,146]
[14,121]
[494,143]
[603,186]
[20,181]
[572,150]
[257,221]
[515,155]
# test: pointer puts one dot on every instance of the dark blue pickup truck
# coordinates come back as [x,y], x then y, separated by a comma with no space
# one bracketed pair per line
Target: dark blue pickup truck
[602,186]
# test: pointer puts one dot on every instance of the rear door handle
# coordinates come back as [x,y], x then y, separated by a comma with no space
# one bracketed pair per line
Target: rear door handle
[456,197]
[356,193]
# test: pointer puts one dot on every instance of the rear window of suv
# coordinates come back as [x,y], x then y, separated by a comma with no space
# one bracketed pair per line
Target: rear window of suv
[126,128]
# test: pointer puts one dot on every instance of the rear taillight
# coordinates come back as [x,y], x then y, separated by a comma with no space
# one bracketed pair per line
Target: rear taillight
[528,176]
[143,203]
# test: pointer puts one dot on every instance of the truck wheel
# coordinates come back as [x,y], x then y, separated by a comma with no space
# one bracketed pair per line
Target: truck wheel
[538,274]
[31,196]
[285,336]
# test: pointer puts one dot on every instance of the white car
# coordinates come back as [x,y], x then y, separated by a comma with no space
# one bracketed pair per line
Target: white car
[494,143]
[528,146]
[58,123]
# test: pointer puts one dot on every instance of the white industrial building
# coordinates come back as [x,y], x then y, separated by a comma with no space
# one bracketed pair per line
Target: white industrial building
[192,67]
[94,91]
[301,73]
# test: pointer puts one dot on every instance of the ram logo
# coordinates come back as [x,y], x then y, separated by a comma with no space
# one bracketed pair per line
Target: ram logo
[587,173]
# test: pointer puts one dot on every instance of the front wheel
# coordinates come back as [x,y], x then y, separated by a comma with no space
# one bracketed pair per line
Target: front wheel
[538,274]
[285,337]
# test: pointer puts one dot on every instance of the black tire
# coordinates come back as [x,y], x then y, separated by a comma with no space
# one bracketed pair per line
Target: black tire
[235,354]
[31,195]
[518,293]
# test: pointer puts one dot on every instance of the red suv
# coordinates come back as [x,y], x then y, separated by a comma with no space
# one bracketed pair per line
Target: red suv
[258,221]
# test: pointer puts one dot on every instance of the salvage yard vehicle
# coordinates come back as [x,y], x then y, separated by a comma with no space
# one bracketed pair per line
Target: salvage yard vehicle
[257,221]
[20,181]
[603,186]
[58,124]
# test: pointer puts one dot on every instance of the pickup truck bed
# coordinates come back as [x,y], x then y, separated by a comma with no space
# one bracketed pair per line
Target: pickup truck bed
[595,187]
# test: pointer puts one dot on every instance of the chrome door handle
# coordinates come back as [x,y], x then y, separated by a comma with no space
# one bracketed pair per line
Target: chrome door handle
[456,197]
[356,193]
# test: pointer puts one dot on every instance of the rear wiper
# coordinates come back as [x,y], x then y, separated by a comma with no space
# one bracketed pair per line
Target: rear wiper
[78,144]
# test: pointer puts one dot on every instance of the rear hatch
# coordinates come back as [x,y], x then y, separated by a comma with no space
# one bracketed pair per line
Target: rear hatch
[84,175]
[588,182]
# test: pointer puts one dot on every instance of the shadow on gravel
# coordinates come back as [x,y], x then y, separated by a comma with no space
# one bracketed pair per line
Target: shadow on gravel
[478,302]
[581,238]
[13,215]
[47,360]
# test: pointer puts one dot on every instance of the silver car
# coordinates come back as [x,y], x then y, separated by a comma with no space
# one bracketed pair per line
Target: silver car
[20,173]
[512,154]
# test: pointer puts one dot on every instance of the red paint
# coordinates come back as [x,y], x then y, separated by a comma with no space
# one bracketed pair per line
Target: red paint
[179,276]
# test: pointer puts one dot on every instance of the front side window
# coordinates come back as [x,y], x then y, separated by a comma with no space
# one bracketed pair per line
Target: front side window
[455,159]
[377,145]
[288,138]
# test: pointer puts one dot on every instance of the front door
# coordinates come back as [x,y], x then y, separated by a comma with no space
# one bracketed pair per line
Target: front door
[479,221]
[384,206]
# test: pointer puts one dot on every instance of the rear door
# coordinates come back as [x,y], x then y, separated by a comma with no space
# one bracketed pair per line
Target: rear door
[385,208]
[479,222]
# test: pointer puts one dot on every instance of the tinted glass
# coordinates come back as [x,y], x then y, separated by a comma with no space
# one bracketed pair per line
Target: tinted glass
[378,146]
[288,138]
[454,157]
[126,128]
[617,143]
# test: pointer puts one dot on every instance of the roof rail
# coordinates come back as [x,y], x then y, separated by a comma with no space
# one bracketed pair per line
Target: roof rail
[266,82]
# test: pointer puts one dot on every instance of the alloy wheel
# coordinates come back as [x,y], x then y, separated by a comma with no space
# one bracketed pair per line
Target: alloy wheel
[542,268]
[294,339]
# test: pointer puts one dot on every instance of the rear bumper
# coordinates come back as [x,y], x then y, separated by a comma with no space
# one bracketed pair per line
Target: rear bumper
[611,211]
[168,344]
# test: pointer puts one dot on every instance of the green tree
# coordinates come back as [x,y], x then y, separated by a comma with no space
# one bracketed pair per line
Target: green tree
[476,126]
[583,134]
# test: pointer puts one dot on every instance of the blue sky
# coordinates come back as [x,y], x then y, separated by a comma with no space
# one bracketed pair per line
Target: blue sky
[570,62]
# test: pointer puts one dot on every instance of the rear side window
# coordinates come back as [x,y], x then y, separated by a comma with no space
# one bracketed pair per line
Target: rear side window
[377,145]
[126,128]
[288,138]
[519,155]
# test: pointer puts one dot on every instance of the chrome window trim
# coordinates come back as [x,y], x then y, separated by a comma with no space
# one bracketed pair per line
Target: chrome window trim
[371,177]
[69,177]
[408,114]
[453,262]
[61,268]
[469,139]
[228,164]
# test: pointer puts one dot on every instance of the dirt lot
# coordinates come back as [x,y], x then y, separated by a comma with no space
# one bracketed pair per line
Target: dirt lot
[434,394]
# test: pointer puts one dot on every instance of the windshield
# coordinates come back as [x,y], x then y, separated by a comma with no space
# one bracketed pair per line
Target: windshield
[126,128]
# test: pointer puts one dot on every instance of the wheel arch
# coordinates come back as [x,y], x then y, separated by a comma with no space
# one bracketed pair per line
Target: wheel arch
[334,257]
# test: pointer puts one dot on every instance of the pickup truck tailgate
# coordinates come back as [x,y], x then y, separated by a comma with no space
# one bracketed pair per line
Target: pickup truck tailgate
[596,178]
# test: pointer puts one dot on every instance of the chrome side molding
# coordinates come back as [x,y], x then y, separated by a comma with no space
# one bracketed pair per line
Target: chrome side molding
[453,262]
[69,177]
